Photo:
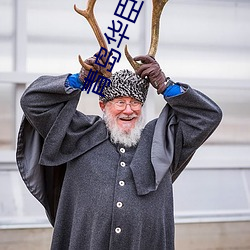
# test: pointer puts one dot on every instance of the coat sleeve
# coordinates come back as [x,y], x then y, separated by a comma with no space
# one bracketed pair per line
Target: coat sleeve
[42,102]
[197,117]
[44,99]
[67,133]
[52,133]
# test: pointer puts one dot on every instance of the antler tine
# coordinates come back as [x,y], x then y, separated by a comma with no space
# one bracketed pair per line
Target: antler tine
[135,65]
[89,15]
[158,6]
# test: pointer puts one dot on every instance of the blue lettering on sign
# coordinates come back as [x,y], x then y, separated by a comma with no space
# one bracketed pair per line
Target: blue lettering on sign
[89,80]
[112,51]
[122,35]
[120,9]
[101,82]
[133,13]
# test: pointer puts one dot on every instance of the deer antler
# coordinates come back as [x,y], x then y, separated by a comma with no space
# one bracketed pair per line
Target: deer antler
[89,15]
[158,6]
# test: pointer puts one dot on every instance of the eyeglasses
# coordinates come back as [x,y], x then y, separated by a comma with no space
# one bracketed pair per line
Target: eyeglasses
[121,105]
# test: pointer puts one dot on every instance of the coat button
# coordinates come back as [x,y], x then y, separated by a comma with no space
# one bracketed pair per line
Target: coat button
[123,164]
[118,230]
[121,183]
[119,204]
[122,150]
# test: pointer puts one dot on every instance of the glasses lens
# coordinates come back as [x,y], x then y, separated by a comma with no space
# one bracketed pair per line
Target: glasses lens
[120,105]
[135,105]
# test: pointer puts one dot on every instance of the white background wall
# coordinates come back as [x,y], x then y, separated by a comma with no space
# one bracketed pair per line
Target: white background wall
[205,43]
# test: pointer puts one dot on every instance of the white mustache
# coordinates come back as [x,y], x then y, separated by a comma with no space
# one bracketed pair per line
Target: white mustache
[122,116]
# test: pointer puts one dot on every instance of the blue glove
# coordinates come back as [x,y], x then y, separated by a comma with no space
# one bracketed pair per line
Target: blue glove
[73,81]
[172,90]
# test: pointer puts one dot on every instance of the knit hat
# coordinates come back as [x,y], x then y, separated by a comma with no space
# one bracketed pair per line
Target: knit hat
[125,83]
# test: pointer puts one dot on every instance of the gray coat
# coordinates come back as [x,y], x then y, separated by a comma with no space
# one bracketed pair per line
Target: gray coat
[99,195]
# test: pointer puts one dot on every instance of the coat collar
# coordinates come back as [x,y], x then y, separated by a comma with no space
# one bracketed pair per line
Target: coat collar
[154,154]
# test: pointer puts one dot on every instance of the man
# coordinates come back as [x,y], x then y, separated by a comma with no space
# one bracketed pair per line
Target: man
[107,183]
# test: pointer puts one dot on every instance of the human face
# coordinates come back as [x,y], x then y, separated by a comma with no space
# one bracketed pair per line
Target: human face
[125,119]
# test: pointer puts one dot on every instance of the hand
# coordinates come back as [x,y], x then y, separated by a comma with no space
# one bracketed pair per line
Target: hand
[91,62]
[151,69]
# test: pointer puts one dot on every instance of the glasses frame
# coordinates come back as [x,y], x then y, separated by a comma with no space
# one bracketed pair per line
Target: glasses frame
[127,103]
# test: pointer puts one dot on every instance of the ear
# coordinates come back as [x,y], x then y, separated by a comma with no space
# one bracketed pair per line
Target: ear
[102,105]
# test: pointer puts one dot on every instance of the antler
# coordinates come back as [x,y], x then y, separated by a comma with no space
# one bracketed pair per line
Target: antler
[158,6]
[89,15]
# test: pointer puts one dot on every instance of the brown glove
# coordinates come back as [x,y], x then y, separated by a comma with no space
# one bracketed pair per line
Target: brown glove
[151,69]
[91,61]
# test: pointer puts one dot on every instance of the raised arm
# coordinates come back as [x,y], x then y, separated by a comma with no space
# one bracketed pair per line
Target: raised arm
[197,116]
[48,96]
[44,99]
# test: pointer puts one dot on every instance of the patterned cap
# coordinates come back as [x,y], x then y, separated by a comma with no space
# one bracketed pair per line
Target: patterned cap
[125,83]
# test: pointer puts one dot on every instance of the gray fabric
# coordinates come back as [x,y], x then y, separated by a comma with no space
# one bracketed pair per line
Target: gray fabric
[29,151]
[85,166]
[163,144]
[90,216]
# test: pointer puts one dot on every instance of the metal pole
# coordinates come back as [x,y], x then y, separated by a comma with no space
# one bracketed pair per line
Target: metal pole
[20,40]
[19,56]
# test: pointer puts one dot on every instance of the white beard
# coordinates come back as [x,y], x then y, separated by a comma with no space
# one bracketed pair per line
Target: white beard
[127,139]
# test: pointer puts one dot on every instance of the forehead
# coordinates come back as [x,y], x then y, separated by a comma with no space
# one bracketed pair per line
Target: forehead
[124,98]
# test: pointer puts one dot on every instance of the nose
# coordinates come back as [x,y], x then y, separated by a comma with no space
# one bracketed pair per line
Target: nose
[128,110]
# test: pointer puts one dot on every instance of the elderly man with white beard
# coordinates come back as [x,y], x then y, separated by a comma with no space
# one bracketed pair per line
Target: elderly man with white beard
[106,183]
